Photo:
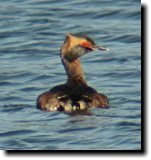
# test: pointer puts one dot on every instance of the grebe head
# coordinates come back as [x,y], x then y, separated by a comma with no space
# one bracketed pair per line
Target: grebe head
[76,45]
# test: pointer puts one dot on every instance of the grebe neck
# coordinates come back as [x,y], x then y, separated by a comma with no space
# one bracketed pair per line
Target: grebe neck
[74,72]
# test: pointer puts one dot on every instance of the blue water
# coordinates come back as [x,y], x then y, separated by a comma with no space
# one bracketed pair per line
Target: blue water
[31,34]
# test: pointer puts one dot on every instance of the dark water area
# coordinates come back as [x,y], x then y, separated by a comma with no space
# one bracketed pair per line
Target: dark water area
[31,34]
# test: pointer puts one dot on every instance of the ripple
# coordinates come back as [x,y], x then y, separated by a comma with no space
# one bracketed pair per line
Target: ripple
[43,77]
[14,107]
[128,39]
[109,60]
[5,83]
[17,132]
[76,130]
[108,14]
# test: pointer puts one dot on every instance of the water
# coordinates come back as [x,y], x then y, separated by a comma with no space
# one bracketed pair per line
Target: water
[31,33]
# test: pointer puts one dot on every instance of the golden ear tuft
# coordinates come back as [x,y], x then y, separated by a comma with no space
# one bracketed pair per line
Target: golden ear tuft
[69,35]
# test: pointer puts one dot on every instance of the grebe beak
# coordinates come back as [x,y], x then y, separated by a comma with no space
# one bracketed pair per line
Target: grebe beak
[93,48]
[100,48]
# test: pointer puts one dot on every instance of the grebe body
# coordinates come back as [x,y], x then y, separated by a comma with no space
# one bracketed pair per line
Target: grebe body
[75,94]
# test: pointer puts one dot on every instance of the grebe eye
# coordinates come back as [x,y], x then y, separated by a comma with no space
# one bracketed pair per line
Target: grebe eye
[86,45]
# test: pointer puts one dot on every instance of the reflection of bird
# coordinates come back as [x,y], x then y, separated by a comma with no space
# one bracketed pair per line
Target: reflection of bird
[75,94]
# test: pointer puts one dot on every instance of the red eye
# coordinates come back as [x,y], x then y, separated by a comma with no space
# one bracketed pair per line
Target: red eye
[86,45]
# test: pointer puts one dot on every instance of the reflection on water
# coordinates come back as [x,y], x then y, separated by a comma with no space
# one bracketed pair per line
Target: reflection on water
[31,33]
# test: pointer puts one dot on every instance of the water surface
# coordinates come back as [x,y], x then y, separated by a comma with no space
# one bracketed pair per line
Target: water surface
[31,34]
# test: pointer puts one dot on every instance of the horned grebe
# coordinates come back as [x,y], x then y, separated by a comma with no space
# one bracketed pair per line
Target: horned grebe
[75,94]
